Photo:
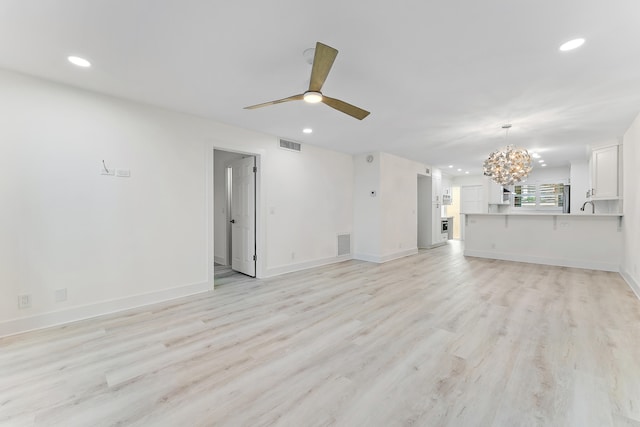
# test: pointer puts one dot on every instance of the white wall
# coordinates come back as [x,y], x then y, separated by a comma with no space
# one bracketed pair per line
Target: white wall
[221,160]
[398,195]
[385,226]
[367,206]
[424,213]
[309,202]
[115,243]
[631,221]
[560,174]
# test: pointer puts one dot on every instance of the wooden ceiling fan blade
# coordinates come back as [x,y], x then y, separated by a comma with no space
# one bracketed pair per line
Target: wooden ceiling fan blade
[322,63]
[278,101]
[346,108]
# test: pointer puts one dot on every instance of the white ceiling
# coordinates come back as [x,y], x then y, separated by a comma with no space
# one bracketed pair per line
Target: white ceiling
[439,77]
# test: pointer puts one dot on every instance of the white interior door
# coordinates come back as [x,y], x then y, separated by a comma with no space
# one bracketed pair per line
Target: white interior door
[243,216]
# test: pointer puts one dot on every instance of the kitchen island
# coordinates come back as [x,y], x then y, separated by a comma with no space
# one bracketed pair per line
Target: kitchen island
[592,241]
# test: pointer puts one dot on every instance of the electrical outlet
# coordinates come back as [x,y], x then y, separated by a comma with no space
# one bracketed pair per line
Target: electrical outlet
[493,246]
[293,256]
[24,301]
[61,295]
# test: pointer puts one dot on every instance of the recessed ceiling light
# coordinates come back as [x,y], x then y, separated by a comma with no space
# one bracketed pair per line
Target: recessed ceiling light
[571,44]
[307,130]
[80,62]
[540,161]
[543,165]
[459,170]
[467,172]
[450,166]
[535,155]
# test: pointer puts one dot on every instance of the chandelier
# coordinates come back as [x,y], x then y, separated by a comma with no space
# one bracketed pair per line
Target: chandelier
[508,165]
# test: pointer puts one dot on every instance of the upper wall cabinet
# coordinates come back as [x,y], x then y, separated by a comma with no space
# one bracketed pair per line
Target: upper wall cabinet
[605,173]
[498,195]
[436,191]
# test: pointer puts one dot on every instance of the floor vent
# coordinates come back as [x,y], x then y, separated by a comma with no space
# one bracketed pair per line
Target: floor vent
[344,244]
[290,145]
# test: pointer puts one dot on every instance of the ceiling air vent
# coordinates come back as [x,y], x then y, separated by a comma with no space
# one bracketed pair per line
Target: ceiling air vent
[289,145]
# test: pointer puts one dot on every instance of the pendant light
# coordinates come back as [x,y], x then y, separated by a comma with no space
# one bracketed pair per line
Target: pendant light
[508,165]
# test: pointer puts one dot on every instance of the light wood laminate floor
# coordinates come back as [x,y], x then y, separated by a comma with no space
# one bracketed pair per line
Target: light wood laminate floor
[435,339]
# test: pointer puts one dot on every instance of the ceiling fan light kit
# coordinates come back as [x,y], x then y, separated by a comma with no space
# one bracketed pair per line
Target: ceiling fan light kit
[322,62]
[312,97]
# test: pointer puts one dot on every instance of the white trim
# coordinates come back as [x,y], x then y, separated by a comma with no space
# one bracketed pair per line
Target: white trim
[220,260]
[261,223]
[367,258]
[635,287]
[276,271]
[46,320]
[382,259]
[589,265]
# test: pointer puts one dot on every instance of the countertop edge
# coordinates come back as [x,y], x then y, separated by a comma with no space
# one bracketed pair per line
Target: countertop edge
[567,215]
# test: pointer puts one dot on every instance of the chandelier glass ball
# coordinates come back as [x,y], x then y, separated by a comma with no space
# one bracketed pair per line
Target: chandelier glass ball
[508,166]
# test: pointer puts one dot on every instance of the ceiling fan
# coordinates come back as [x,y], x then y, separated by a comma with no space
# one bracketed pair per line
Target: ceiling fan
[322,62]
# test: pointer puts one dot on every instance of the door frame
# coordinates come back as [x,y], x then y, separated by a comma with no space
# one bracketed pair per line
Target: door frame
[259,155]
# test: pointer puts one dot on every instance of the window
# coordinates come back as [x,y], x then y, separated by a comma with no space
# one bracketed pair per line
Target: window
[539,196]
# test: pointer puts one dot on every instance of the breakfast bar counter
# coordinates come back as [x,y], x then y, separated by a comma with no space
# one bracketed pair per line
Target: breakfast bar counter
[592,241]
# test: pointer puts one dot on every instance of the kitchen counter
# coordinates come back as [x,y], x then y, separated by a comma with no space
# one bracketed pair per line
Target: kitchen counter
[592,241]
[570,215]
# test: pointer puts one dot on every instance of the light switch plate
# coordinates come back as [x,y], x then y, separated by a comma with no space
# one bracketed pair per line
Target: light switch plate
[24,301]
[61,294]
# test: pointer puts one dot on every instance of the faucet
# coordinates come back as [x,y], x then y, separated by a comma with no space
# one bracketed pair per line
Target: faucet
[593,207]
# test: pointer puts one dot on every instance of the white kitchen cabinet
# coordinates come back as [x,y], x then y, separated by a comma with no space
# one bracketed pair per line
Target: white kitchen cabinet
[438,237]
[605,173]
[436,192]
[497,194]
[447,197]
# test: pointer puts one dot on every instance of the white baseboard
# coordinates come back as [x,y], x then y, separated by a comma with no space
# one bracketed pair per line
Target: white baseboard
[276,271]
[589,265]
[45,320]
[220,260]
[385,258]
[635,287]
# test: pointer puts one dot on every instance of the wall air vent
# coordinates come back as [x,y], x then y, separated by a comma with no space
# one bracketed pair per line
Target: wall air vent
[344,244]
[290,145]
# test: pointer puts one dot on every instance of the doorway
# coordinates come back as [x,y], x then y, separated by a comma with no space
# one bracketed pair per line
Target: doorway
[453,211]
[234,215]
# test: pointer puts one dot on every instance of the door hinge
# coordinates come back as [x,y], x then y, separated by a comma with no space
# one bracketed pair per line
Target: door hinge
[254,257]
[255,169]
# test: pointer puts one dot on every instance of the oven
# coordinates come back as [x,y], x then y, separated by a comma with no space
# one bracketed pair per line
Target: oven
[444,225]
